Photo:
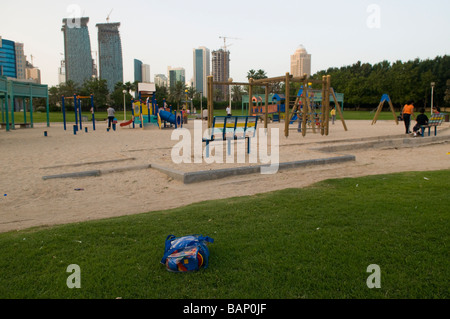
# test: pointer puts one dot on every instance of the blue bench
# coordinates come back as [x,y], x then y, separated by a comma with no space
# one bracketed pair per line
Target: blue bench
[434,121]
[232,128]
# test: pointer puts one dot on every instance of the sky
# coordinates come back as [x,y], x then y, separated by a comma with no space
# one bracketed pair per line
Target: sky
[261,34]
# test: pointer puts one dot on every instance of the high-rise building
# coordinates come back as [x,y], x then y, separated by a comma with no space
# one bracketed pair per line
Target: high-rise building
[221,70]
[32,73]
[300,62]
[202,69]
[62,72]
[110,54]
[137,70]
[176,75]
[20,62]
[146,73]
[77,50]
[161,80]
[8,58]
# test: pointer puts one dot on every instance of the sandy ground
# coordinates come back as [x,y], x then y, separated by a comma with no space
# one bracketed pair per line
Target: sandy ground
[27,200]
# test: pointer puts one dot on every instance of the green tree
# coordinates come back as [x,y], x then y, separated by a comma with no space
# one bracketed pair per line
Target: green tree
[97,87]
[177,93]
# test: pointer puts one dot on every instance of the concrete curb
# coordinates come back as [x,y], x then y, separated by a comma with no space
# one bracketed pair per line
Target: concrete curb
[400,142]
[97,172]
[201,176]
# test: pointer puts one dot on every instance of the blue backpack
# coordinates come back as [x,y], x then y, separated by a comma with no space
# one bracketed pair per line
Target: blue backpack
[188,253]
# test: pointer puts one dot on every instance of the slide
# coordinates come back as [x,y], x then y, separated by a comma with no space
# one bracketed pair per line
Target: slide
[126,123]
[171,118]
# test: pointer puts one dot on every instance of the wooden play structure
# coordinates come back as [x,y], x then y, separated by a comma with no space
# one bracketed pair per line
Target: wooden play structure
[385,98]
[299,105]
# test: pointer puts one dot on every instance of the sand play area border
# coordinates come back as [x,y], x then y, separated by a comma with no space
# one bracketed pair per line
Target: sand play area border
[65,178]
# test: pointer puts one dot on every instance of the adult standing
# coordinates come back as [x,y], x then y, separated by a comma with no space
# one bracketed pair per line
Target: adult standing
[408,112]
[111,116]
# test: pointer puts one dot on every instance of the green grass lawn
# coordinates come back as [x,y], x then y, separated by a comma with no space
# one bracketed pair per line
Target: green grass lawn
[57,117]
[315,242]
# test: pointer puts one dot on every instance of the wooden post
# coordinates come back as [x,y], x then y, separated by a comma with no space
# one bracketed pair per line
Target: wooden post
[338,107]
[380,106]
[286,118]
[327,106]
[322,118]
[393,111]
[308,105]
[266,113]
[305,111]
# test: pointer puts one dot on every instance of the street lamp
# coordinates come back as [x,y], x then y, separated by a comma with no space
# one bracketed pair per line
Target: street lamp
[432,93]
[124,106]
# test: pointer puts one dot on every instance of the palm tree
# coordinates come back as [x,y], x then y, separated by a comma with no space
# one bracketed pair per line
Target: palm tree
[177,93]
[236,93]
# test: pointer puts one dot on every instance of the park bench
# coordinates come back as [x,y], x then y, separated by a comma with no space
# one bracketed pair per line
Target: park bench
[232,128]
[21,125]
[24,125]
[434,121]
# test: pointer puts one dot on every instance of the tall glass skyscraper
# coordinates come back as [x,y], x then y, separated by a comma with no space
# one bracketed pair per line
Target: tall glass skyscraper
[77,50]
[8,58]
[110,54]
[201,69]
[137,70]
[176,75]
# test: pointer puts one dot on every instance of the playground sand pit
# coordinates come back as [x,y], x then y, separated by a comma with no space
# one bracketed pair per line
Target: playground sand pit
[113,175]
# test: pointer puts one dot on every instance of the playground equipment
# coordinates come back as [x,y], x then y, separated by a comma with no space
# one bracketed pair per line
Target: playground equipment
[327,92]
[77,109]
[165,117]
[384,98]
[309,109]
[10,92]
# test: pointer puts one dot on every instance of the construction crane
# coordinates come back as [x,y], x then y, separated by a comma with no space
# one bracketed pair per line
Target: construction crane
[107,18]
[225,41]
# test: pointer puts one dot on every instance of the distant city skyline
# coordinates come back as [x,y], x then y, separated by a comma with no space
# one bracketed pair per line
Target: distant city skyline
[264,34]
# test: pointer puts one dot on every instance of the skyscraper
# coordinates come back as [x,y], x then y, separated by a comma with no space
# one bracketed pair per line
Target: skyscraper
[77,50]
[110,54]
[202,69]
[176,75]
[137,70]
[146,73]
[161,80]
[221,70]
[300,62]
[8,58]
[20,62]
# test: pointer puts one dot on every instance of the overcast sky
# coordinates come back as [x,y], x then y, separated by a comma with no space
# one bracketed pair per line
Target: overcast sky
[163,33]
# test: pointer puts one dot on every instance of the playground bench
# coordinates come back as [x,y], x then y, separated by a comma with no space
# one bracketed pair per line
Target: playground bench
[21,125]
[232,128]
[434,121]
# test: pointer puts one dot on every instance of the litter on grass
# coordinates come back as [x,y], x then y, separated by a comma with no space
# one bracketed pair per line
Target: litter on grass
[186,254]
